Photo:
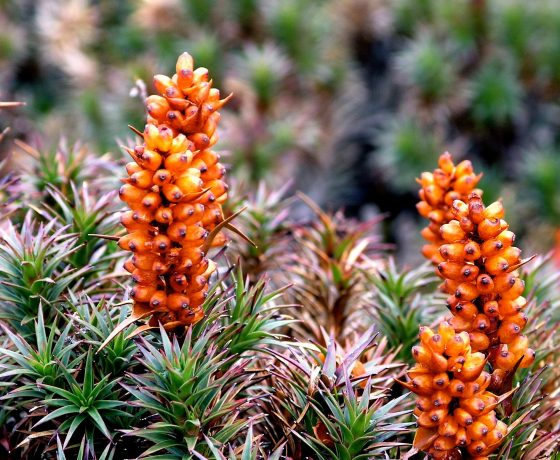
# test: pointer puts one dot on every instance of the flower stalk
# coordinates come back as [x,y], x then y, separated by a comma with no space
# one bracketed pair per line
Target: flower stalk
[472,247]
[175,192]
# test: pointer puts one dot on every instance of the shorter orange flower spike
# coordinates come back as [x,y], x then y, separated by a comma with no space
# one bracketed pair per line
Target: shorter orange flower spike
[175,192]
[446,184]
[485,291]
[454,409]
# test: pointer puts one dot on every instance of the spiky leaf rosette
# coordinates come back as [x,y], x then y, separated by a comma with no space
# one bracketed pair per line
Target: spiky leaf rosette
[196,391]
[327,266]
[265,222]
[175,192]
[401,301]
[485,290]
[33,269]
[439,189]
[454,409]
[332,402]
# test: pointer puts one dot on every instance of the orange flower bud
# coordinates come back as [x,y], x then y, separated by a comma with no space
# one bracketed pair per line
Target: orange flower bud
[173,193]
[443,443]
[515,291]
[449,428]
[440,381]
[474,364]
[214,172]
[161,177]
[511,255]
[504,282]
[460,324]
[479,341]
[164,215]
[466,292]
[141,179]
[142,293]
[144,276]
[161,243]
[472,251]
[189,184]
[151,201]
[423,403]
[457,344]
[440,399]
[136,242]
[528,358]
[453,252]
[452,232]
[421,384]
[446,331]
[494,210]
[131,194]
[201,141]
[161,82]
[481,322]
[455,363]
[446,163]
[129,266]
[425,334]
[451,270]
[157,106]
[151,160]
[463,417]
[436,344]
[178,162]
[144,261]
[477,431]
[456,388]
[460,208]
[490,228]
[491,309]
[507,238]
[505,359]
[496,265]
[466,225]
[476,447]
[519,345]
[497,434]
[484,284]
[466,310]
[474,406]
[177,301]
[491,247]
[158,300]
[466,183]
[423,208]
[461,437]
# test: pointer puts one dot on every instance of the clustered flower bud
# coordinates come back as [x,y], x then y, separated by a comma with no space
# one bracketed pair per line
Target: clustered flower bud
[439,189]
[175,193]
[485,291]
[454,409]
[474,254]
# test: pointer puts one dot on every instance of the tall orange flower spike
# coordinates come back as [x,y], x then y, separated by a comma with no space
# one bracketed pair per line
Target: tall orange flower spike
[439,189]
[454,409]
[175,193]
[485,292]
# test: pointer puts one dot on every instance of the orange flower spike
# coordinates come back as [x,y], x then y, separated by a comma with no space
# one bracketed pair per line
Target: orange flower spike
[478,254]
[166,233]
[472,248]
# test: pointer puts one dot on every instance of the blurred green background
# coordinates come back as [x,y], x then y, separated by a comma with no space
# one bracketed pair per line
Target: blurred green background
[348,99]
